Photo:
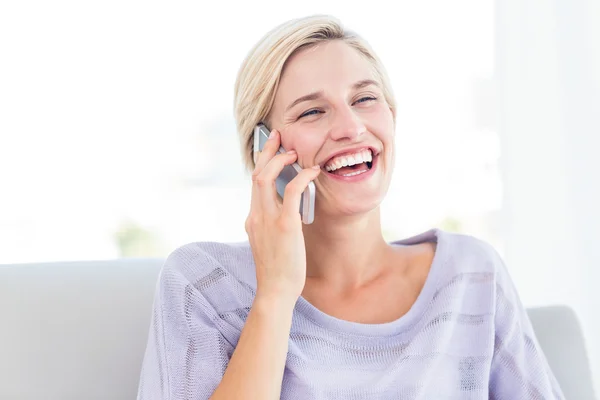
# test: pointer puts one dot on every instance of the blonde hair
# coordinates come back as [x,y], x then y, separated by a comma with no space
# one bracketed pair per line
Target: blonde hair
[260,73]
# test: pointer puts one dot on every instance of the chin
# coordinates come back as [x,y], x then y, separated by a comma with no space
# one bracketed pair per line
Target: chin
[358,195]
[355,205]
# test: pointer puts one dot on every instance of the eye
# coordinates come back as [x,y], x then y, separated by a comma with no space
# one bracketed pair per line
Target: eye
[365,99]
[310,112]
[316,111]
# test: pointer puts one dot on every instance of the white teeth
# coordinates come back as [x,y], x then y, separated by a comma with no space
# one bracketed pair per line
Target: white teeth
[349,160]
[355,173]
[367,156]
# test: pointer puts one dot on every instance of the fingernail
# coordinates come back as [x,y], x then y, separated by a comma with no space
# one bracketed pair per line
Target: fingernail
[272,134]
[291,151]
[316,166]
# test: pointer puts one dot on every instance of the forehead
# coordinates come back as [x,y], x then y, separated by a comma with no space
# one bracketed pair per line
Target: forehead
[325,66]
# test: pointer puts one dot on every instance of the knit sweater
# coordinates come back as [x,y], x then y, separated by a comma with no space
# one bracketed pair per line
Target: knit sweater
[467,336]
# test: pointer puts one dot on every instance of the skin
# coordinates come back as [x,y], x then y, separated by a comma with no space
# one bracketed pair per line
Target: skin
[348,260]
[340,263]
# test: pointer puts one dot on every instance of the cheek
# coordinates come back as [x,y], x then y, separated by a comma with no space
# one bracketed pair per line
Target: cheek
[305,143]
[383,123]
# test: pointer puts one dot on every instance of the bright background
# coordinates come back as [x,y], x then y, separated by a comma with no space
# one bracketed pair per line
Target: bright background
[117,136]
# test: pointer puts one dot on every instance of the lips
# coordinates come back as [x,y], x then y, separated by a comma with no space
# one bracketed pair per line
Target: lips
[354,150]
[350,177]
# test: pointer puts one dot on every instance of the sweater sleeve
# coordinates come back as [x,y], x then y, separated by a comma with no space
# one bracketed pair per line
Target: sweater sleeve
[519,368]
[186,355]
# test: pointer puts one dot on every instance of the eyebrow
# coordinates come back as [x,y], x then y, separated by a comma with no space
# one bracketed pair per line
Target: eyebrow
[316,95]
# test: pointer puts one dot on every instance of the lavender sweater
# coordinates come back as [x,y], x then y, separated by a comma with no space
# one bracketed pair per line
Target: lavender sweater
[467,336]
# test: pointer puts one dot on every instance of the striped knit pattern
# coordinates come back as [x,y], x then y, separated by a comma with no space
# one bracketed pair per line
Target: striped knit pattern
[467,336]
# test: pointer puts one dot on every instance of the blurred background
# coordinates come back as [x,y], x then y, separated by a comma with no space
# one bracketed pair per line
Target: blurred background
[117,136]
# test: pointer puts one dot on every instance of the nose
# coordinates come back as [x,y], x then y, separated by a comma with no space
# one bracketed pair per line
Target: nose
[346,125]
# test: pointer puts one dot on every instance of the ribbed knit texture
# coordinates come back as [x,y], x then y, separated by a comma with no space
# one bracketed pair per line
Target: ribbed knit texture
[467,336]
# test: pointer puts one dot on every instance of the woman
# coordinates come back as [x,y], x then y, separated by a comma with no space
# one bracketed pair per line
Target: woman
[331,310]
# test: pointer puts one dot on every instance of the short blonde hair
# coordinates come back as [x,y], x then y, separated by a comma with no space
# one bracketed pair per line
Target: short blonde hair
[260,73]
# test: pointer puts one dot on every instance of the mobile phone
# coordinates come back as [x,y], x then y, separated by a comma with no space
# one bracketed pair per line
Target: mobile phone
[289,172]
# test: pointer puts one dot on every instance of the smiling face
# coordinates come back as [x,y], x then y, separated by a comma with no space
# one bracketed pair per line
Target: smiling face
[330,108]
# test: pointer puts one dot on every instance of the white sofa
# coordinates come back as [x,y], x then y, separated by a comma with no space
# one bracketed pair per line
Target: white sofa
[77,331]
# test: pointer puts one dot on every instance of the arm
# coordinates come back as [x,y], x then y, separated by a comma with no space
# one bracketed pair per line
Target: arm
[519,368]
[275,233]
[187,356]
[186,353]
[255,370]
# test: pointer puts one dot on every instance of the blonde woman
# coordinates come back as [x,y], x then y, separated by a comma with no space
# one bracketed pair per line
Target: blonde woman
[330,310]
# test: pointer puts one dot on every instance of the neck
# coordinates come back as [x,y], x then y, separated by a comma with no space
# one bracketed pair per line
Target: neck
[347,251]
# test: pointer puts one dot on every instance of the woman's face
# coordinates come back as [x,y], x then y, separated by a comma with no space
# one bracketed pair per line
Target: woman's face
[330,108]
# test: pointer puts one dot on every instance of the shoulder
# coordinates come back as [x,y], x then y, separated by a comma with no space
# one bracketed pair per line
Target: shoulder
[469,267]
[223,272]
[197,259]
[467,253]
[466,274]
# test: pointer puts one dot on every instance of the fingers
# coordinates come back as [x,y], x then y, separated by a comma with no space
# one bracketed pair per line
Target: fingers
[294,190]
[264,184]
[274,167]
[268,151]
[268,167]
[264,191]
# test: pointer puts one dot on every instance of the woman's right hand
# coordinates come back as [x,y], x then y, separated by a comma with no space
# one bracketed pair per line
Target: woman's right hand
[274,227]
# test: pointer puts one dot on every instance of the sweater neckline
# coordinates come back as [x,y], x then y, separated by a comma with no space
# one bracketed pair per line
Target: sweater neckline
[407,320]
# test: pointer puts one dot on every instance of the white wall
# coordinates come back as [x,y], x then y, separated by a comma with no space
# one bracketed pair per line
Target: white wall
[548,70]
[111,112]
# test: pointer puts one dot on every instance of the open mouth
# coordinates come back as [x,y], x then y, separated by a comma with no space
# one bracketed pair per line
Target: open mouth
[351,164]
